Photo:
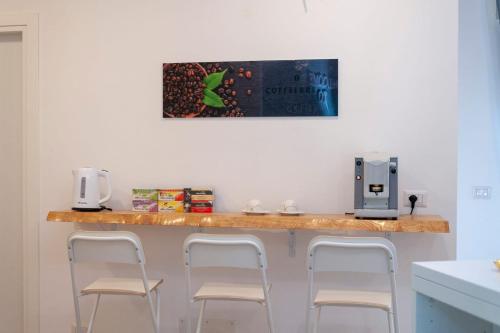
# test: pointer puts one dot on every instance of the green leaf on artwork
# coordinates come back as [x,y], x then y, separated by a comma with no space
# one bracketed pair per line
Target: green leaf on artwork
[214,80]
[212,99]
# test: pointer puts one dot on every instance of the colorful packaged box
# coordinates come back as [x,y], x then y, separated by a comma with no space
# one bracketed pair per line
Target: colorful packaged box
[144,194]
[171,195]
[202,203]
[201,191]
[144,200]
[170,206]
[145,206]
[187,200]
[198,200]
[202,197]
[201,206]
[202,210]
[195,200]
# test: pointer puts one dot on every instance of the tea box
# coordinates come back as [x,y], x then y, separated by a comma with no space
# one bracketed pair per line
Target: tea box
[170,206]
[144,194]
[171,195]
[145,206]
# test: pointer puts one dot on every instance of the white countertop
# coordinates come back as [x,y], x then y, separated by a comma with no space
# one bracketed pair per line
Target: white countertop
[472,286]
[480,279]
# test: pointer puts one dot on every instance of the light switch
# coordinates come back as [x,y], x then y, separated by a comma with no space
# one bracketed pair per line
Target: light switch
[481,192]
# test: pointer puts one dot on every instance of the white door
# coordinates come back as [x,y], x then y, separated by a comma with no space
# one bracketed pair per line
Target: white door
[11,274]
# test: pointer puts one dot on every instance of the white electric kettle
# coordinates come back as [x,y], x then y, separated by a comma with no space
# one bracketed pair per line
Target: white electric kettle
[86,189]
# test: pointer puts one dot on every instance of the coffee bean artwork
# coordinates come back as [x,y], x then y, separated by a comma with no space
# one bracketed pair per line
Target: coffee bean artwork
[283,88]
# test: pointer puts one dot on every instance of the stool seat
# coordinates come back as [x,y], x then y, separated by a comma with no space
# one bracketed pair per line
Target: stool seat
[230,291]
[120,286]
[369,299]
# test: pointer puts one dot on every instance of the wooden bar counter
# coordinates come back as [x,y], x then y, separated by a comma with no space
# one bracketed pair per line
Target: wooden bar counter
[406,223]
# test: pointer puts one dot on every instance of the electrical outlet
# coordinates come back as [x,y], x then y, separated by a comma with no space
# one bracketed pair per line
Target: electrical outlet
[481,192]
[421,198]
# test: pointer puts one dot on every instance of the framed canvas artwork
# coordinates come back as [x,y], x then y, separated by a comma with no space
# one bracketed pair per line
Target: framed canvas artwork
[277,88]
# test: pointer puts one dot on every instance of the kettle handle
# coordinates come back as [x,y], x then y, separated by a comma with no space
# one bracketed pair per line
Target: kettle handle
[105,174]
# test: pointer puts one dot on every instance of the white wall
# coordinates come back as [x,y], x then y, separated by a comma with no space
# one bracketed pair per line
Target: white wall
[101,106]
[11,85]
[479,129]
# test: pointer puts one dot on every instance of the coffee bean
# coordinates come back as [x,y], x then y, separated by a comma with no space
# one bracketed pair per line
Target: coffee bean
[182,89]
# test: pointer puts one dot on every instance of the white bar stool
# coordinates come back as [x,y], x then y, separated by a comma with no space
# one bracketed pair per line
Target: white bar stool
[352,254]
[224,251]
[111,247]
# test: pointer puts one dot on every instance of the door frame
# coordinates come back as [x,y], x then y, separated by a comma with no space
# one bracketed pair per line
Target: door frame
[27,25]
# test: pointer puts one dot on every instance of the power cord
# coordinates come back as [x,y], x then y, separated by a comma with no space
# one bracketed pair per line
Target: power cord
[413,199]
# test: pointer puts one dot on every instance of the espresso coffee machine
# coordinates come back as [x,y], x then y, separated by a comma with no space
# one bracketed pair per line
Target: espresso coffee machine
[376,186]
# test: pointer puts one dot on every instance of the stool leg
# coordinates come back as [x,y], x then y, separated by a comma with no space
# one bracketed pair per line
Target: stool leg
[269,313]
[94,312]
[395,322]
[157,290]
[77,315]
[76,299]
[200,318]
[316,321]
[153,311]
[309,321]
[188,317]
[389,322]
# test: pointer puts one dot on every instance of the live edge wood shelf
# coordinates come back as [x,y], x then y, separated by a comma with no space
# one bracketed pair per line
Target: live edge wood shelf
[406,223]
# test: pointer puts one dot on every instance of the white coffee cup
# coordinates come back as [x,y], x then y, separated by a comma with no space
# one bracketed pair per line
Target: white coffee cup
[289,206]
[254,205]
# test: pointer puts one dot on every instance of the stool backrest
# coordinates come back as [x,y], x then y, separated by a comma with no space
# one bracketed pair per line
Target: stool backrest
[352,254]
[106,247]
[224,251]
[237,251]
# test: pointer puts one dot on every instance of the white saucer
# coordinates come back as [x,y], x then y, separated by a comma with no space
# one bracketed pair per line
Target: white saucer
[285,213]
[253,212]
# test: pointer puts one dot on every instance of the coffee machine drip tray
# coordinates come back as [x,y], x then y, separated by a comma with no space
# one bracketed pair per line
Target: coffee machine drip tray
[364,213]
